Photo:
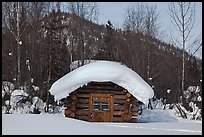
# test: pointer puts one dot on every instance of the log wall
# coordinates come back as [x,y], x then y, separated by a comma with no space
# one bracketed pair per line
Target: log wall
[124,104]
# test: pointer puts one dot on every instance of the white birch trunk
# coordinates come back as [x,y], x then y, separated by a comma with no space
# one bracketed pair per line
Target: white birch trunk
[18,45]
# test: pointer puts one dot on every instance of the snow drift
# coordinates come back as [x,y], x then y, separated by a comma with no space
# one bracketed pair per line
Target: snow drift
[103,71]
[57,124]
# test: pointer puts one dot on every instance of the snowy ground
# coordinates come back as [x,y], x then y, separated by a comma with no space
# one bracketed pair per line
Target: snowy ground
[57,124]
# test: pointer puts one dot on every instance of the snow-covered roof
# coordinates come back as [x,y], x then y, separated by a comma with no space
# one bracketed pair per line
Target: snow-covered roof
[103,71]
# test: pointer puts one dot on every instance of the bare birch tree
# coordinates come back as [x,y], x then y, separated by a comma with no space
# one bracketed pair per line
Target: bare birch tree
[150,30]
[85,10]
[183,17]
[134,18]
[18,43]
[134,23]
[143,19]
[13,21]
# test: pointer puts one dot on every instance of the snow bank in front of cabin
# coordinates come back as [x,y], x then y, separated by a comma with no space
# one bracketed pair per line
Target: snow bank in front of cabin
[57,124]
[103,71]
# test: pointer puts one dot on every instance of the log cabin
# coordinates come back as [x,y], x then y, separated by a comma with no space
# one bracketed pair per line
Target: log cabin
[101,102]
[99,93]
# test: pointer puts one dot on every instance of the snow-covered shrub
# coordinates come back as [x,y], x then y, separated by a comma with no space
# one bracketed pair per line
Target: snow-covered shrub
[20,100]
[35,88]
[157,103]
[192,94]
[178,110]
[4,109]
[3,93]
[195,113]
[16,101]
[37,105]
[56,109]
[17,96]
[192,102]
[7,87]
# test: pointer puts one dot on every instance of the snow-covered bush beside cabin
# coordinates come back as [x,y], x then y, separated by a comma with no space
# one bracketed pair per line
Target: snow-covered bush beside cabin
[15,101]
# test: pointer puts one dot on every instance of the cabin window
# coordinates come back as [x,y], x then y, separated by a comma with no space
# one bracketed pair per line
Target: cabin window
[104,106]
[97,105]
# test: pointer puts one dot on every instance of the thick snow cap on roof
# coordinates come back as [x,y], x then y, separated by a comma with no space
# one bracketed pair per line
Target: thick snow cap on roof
[103,71]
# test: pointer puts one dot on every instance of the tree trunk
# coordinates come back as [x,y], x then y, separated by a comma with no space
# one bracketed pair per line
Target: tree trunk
[48,81]
[18,46]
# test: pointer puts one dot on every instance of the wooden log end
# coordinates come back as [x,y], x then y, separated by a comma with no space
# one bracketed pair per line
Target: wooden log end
[128,94]
[67,112]
[72,115]
[73,97]
[126,117]
[134,113]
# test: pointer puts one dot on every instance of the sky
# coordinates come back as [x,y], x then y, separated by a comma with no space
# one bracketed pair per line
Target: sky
[115,12]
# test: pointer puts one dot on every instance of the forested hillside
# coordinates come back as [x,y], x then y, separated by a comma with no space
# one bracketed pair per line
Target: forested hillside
[49,42]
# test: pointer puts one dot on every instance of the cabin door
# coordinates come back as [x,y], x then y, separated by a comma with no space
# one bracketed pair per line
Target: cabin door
[101,107]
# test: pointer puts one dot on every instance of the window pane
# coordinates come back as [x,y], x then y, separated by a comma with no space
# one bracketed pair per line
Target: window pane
[97,106]
[105,106]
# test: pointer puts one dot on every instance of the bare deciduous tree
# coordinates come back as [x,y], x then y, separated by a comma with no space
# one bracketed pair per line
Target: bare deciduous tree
[151,26]
[134,19]
[143,19]
[85,10]
[151,29]
[14,21]
[183,17]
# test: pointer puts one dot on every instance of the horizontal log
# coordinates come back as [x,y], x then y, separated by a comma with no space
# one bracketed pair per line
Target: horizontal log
[134,120]
[118,107]
[103,86]
[118,113]
[73,108]
[88,90]
[127,106]
[82,112]
[117,119]
[119,101]
[126,111]
[83,106]
[85,118]
[119,97]
[79,95]
[82,100]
